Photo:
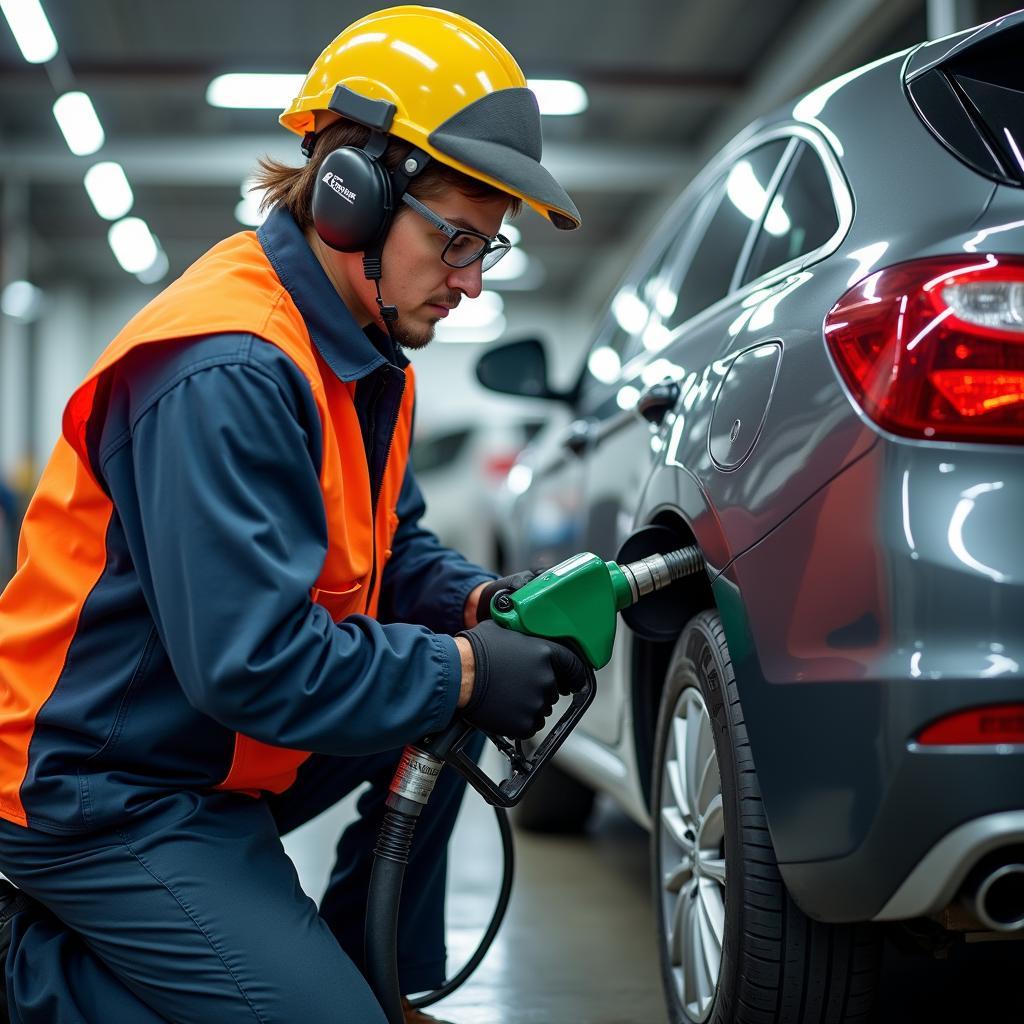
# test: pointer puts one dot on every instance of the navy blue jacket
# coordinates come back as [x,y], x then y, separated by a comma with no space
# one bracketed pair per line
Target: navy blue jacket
[201,623]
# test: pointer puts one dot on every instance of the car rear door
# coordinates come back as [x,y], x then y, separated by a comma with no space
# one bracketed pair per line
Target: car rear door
[693,270]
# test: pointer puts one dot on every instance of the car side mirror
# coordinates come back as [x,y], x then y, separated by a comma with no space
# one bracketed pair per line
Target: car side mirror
[518,368]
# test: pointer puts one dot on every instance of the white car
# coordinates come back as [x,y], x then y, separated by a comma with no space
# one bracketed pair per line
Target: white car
[460,468]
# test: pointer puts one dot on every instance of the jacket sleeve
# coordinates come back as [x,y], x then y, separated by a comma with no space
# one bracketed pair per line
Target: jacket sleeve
[424,581]
[231,537]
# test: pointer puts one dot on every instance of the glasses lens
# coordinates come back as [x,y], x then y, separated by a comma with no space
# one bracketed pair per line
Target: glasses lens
[498,248]
[463,249]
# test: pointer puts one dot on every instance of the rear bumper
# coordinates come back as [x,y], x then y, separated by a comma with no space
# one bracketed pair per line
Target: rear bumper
[933,821]
[941,873]
[861,619]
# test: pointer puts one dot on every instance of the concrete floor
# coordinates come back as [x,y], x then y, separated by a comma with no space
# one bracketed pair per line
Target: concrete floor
[577,946]
[577,943]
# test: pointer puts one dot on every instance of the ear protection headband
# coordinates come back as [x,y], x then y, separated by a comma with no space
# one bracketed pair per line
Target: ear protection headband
[355,194]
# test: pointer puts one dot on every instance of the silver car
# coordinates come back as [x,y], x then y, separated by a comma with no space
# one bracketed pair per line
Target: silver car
[815,373]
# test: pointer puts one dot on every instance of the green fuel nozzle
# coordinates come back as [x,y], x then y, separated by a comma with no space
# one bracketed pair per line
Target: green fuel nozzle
[577,602]
[579,599]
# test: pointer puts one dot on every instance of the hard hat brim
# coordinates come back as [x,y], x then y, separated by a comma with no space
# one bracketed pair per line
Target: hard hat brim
[499,137]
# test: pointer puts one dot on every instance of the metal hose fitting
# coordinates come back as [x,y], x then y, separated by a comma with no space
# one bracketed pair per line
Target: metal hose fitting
[416,774]
[658,571]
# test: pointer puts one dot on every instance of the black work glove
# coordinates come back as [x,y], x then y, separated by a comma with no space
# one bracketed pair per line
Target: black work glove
[513,582]
[518,680]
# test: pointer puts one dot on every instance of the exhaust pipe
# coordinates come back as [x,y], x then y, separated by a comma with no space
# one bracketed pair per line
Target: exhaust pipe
[997,898]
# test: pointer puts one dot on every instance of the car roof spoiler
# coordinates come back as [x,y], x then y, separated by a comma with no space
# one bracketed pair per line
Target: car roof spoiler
[968,89]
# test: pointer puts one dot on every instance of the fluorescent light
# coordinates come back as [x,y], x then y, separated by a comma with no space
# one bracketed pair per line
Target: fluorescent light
[157,269]
[472,335]
[745,192]
[478,312]
[558,97]
[776,220]
[512,233]
[604,364]
[516,272]
[512,265]
[77,120]
[253,91]
[659,370]
[632,315]
[21,301]
[247,211]
[656,336]
[109,190]
[479,319]
[519,478]
[31,30]
[133,244]
[627,397]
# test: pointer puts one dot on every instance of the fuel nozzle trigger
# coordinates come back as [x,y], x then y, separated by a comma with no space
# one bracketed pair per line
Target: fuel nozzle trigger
[449,746]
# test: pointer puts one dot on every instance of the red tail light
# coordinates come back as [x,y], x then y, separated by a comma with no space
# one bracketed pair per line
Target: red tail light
[1000,723]
[497,466]
[934,349]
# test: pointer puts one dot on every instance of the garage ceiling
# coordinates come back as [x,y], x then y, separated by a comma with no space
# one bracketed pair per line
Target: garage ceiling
[666,81]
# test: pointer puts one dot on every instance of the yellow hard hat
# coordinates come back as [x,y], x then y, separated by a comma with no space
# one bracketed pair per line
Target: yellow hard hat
[459,96]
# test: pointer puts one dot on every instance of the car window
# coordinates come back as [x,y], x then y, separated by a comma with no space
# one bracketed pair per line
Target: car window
[738,198]
[531,428]
[430,453]
[633,312]
[802,215]
[634,306]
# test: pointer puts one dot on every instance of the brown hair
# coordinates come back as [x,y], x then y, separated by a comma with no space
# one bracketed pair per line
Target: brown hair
[292,187]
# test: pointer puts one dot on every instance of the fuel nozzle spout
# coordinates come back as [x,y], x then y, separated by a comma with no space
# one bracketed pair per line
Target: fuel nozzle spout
[579,599]
[658,571]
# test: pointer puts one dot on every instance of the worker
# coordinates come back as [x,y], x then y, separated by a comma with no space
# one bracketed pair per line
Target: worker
[226,613]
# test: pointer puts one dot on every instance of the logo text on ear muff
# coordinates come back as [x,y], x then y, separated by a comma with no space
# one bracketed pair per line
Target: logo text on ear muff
[337,184]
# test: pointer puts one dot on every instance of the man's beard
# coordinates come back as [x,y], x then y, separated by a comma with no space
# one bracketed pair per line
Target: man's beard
[411,337]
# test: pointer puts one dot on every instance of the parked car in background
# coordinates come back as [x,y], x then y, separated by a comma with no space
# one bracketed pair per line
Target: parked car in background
[460,468]
[814,372]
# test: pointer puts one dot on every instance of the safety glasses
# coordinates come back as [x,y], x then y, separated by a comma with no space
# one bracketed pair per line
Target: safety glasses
[463,246]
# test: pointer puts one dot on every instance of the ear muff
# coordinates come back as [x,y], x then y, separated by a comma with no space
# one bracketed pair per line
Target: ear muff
[352,200]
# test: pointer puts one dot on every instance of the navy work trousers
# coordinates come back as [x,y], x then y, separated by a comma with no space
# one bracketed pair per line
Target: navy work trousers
[192,912]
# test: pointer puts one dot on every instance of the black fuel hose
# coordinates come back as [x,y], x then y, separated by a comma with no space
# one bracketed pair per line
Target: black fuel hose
[391,855]
[390,859]
[508,857]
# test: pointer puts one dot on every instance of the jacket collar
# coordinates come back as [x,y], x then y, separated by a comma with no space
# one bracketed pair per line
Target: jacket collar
[348,350]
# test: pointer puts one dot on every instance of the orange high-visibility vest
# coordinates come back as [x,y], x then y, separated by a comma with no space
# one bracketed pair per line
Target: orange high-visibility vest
[231,289]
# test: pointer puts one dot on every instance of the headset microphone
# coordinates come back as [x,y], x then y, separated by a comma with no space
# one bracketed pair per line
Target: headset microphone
[372,271]
[389,314]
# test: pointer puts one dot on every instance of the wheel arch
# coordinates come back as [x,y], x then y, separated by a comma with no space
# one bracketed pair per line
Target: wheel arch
[650,655]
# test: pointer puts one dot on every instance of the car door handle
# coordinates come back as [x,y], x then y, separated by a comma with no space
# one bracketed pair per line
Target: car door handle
[657,400]
[578,435]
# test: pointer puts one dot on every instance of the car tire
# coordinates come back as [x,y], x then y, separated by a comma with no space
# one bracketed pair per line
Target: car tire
[734,947]
[556,804]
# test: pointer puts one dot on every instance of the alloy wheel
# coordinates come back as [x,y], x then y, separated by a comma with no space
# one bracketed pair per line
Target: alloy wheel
[691,855]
